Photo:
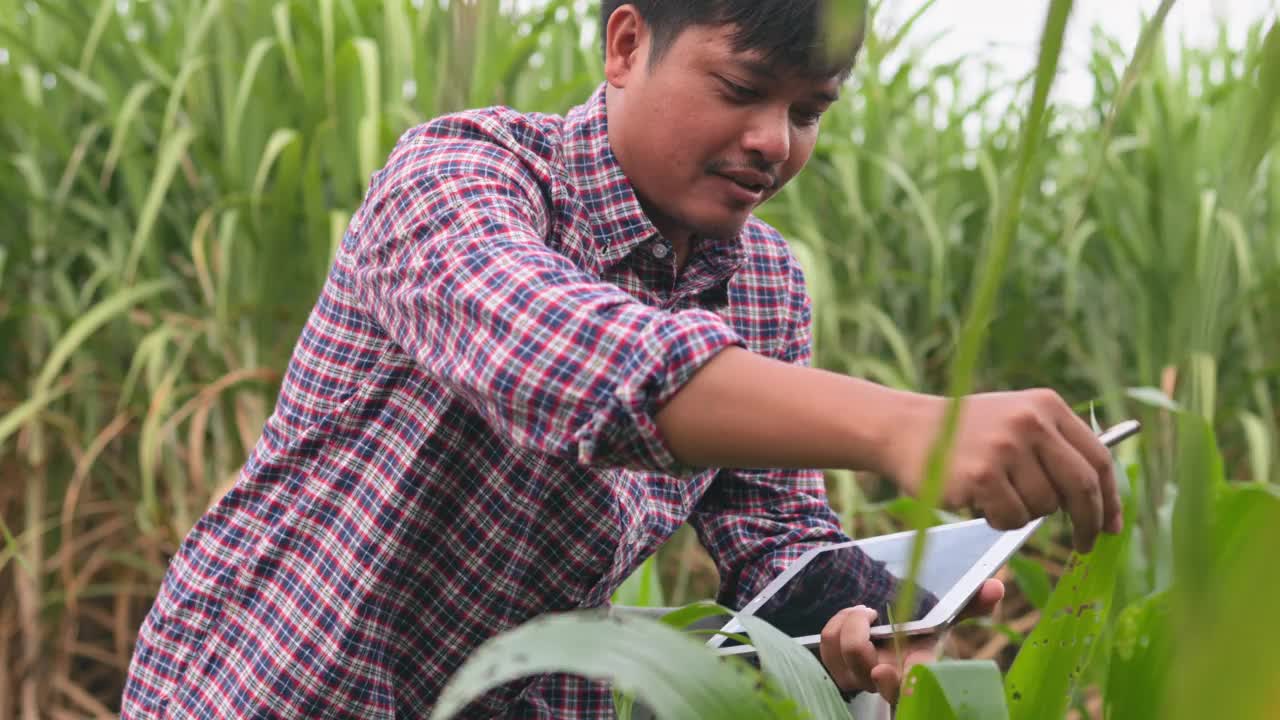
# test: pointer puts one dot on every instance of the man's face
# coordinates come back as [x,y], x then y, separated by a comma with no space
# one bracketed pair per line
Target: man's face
[707,134]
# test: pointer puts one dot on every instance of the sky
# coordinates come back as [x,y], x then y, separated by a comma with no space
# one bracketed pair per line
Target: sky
[1008,31]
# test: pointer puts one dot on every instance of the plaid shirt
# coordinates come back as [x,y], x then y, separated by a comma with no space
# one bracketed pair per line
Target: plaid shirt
[465,439]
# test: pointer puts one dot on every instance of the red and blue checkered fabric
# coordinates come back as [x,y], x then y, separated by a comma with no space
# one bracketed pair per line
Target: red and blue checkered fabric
[465,439]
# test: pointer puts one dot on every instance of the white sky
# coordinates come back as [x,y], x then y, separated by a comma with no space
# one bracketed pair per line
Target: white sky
[1008,31]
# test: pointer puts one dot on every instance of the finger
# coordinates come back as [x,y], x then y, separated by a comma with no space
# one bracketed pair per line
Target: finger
[1098,456]
[1031,481]
[985,601]
[855,645]
[832,657]
[886,680]
[1000,504]
[1077,485]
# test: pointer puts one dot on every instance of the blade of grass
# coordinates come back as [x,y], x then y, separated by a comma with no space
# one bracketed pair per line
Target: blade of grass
[990,275]
[101,314]
[171,153]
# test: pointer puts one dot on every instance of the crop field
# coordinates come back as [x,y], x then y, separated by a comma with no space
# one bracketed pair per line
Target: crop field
[175,175]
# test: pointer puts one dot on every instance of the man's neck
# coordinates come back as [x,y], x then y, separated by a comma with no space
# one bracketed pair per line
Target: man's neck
[681,238]
[683,249]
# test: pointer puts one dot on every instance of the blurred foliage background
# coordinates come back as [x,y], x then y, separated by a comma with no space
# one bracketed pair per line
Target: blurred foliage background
[174,175]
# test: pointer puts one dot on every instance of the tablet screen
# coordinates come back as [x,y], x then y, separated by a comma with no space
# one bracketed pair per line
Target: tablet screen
[817,585]
[958,557]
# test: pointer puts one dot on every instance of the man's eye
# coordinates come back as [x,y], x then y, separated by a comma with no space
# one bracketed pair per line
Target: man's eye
[741,91]
[808,118]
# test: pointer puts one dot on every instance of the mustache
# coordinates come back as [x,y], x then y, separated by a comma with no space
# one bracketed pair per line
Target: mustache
[724,167]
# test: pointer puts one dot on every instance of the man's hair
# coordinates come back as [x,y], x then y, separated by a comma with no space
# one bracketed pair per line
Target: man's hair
[787,33]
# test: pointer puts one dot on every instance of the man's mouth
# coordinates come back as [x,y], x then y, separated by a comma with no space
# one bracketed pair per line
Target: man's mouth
[744,192]
[751,180]
[752,188]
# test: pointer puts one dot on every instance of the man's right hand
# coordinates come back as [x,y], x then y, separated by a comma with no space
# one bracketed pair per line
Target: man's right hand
[1017,456]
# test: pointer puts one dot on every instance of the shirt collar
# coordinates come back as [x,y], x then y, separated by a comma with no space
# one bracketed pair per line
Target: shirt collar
[619,223]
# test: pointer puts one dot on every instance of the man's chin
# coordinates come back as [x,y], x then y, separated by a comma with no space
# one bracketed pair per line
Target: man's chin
[722,227]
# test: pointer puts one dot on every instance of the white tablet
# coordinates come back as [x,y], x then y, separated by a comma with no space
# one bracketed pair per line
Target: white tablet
[958,558]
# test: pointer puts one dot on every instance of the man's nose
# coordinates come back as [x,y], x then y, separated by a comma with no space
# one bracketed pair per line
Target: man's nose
[769,136]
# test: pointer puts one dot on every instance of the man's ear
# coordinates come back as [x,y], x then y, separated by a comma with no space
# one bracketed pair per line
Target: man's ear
[626,45]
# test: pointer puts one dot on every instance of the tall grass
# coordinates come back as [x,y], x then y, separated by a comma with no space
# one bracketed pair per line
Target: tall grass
[174,175]
[1144,264]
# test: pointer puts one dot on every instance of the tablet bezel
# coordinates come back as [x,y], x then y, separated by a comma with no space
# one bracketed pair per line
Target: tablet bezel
[947,608]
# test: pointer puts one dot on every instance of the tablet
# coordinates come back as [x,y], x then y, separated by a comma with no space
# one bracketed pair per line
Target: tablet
[958,558]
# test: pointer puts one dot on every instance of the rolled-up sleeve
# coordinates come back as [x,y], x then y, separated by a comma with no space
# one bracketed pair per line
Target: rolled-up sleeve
[450,260]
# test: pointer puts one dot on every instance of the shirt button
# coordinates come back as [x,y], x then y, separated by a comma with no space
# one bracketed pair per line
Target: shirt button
[659,250]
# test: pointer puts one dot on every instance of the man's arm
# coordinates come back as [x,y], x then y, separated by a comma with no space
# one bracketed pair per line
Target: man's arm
[747,410]
[1016,455]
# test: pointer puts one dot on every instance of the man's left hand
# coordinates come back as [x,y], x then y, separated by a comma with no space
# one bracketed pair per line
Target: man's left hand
[856,663]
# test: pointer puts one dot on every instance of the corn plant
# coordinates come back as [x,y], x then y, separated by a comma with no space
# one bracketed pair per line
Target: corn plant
[175,177]
[1152,666]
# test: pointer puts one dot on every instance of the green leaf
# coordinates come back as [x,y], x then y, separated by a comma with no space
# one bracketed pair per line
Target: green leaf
[89,323]
[1140,655]
[1154,397]
[14,419]
[996,253]
[170,154]
[1225,662]
[280,139]
[932,232]
[1199,477]
[845,24]
[1260,443]
[666,669]
[795,670]
[906,508]
[1032,579]
[1259,132]
[84,84]
[284,34]
[100,21]
[1239,514]
[953,690]
[493,80]
[234,136]
[682,618]
[643,588]
[124,122]
[1059,649]
[370,123]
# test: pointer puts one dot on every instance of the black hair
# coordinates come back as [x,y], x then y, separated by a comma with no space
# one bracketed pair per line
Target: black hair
[787,33]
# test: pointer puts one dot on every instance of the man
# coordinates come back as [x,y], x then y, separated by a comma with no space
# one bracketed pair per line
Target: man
[544,344]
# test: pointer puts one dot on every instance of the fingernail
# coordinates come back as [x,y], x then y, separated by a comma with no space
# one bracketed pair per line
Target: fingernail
[1117,524]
